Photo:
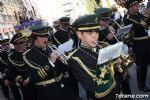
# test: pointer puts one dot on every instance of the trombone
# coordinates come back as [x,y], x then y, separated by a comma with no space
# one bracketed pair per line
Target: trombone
[127,59]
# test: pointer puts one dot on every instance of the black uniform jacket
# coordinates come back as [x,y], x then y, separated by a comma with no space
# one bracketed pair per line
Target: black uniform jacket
[47,78]
[140,43]
[4,63]
[62,36]
[17,69]
[80,61]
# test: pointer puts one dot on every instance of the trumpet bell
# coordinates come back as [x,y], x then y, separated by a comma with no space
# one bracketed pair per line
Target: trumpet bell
[131,57]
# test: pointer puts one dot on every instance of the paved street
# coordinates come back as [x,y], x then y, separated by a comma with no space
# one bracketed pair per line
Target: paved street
[133,84]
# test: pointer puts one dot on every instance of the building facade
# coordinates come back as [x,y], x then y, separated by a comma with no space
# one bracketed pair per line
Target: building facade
[11,11]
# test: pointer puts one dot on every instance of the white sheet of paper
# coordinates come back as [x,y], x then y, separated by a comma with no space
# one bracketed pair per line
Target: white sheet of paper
[110,52]
[125,49]
[65,47]
[149,31]
[124,30]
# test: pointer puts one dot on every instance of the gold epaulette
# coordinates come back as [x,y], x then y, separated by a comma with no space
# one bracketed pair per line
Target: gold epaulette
[74,51]
[142,22]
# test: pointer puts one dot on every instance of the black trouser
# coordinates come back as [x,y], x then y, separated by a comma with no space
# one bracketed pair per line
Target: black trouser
[5,90]
[29,92]
[123,81]
[142,65]
[15,91]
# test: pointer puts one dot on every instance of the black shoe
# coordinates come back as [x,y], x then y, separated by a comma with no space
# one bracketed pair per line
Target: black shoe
[145,89]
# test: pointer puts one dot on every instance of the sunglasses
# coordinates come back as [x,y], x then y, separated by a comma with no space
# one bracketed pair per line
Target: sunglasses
[96,30]
[21,42]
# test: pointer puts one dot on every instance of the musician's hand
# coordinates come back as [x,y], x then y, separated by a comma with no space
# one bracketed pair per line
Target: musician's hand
[53,56]
[111,29]
[130,50]
[6,82]
[25,82]
[110,36]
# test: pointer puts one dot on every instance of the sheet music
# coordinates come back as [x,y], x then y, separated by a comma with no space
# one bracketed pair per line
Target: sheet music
[109,53]
[149,31]
[65,47]
[124,30]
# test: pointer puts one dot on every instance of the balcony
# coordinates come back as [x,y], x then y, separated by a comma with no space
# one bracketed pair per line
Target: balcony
[8,19]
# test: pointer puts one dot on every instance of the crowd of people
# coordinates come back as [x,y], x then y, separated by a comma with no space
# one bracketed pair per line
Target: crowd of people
[33,69]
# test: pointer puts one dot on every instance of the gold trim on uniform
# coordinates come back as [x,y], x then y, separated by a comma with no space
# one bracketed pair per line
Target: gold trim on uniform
[39,73]
[143,23]
[39,34]
[84,67]
[50,81]
[141,38]
[43,71]
[2,61]
[15,62]
[56,40]
[18,77]
[88,28]
[101,95]
[97,95]
[74,51]
[28,62]
[133,3]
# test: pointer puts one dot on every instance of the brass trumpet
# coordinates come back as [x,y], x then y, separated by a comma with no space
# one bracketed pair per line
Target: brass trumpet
[124,62]
[63,58]
[129,60]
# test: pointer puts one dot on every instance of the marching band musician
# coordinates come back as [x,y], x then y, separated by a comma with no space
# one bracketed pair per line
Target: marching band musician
[17,69]
[4,65]
[64,33]
[9,80]
[83,62]
[139,39]
[45,69]
[109,31]
[106,31]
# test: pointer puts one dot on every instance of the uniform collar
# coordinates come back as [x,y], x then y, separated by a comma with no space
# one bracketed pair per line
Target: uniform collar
[39,47]
[89,48]
[64,30]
